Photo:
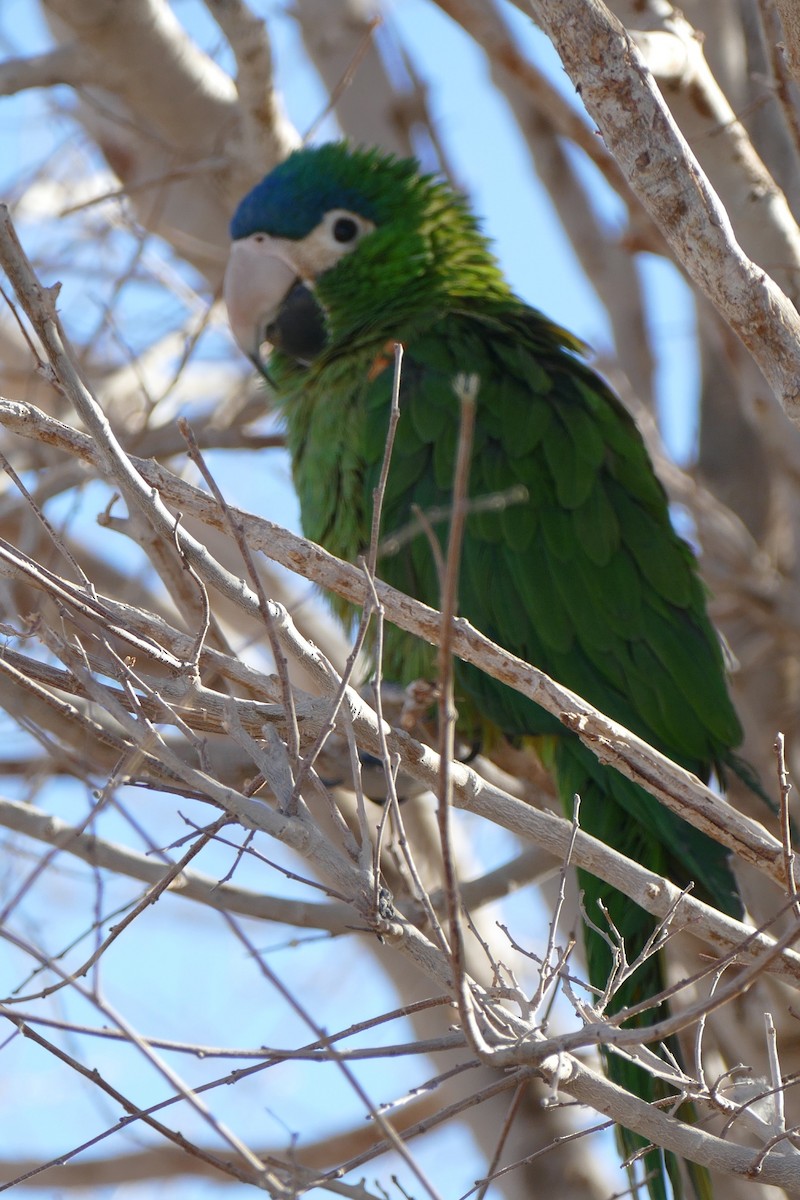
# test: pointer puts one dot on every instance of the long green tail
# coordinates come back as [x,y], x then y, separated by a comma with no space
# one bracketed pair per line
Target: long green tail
[624,816]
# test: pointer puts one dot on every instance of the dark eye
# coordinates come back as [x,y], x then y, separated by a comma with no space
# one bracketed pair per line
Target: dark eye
[345,229]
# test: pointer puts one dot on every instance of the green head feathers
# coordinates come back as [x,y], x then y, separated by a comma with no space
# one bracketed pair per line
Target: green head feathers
[412,247]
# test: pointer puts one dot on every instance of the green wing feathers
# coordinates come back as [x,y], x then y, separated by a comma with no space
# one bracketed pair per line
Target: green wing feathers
[583,575]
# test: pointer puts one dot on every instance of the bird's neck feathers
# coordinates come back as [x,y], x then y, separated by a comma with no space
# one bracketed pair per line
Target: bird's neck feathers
[425,258]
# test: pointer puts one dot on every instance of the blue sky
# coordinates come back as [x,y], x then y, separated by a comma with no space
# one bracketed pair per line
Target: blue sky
[146,973]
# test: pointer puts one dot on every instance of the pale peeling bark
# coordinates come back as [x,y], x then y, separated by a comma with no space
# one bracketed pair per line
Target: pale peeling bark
[160,679]
[620,95]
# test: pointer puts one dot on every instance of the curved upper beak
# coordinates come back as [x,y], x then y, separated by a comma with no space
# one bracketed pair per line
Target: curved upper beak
[259,276]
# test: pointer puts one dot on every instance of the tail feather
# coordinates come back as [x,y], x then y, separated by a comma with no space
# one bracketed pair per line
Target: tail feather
[608,804]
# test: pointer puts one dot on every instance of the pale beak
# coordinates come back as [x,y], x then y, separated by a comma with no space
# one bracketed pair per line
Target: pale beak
[259,276]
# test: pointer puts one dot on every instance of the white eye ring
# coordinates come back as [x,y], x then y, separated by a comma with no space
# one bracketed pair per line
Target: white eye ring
[344,229]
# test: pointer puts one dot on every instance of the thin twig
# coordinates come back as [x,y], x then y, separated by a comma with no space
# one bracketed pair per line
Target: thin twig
[784,791]
[466,389]
[255,579]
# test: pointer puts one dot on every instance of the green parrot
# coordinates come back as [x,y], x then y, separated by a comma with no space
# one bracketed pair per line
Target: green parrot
[337,254]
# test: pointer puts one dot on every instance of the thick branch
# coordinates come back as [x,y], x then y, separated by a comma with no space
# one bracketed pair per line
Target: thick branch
[677,788]
[620,94]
